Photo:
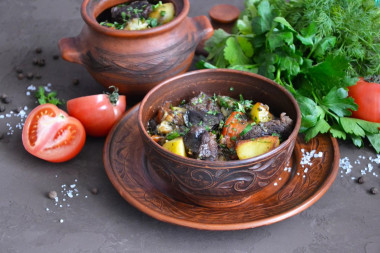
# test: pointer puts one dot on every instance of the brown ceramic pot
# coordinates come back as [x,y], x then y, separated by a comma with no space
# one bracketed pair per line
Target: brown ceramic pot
[217,183]
[135,61]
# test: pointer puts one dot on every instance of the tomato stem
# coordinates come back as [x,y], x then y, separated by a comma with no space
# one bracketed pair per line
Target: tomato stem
[114,96]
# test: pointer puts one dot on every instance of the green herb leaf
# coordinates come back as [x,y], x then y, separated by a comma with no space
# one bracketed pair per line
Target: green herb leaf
[234,53]
[337,132]
[263,22]
[49,98]
[321,127]
[337,100]
[374,139]
[172,135]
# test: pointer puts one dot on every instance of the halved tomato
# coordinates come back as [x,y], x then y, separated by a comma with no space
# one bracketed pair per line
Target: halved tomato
[52,135]
[98,113]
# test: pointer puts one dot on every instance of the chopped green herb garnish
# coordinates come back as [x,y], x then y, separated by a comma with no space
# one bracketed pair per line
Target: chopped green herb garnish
[50,98]
[162,13]
[246,129]
[172,135]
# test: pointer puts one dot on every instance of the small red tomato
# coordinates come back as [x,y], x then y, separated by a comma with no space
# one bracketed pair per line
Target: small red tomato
[98,113]
[52,135]
[367,96]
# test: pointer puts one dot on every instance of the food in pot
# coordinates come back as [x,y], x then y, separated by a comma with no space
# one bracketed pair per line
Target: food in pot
[137,15]
[218,128]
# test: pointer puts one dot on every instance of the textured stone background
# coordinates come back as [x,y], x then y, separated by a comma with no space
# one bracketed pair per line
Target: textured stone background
[345,219]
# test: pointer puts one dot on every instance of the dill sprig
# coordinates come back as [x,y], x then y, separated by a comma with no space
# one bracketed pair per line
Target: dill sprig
[354,23]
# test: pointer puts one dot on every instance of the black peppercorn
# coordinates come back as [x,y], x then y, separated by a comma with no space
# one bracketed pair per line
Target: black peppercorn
[35,61]
[361,180]
[6,100]
[55,57]
[95,191]
[37,76]
[75,81]
[19,70]
[373,190]
[2,135]
[38,50]
[52,194]
[2,108]
[18,109]
[20,76]
[41,62]
[30,75]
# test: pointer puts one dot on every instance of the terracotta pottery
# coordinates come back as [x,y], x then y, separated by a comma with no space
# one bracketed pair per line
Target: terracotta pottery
[135,61]
[224,13]
[297,187]
[217,183]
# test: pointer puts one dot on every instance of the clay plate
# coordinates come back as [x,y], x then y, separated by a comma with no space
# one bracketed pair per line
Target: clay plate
[126,167]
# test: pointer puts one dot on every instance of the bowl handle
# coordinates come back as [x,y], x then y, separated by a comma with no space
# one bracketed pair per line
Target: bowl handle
[203,27]
[70,49]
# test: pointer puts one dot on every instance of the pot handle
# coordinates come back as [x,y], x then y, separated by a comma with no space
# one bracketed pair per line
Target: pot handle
[203,27]
[70,49]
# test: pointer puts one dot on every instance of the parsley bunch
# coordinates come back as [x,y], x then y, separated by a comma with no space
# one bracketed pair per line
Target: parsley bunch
[302,59]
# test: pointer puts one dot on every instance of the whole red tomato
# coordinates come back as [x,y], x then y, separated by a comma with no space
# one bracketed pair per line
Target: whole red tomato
[98,113]
[367,96]
[52,135]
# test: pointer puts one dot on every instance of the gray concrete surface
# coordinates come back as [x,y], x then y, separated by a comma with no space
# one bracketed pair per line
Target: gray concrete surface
[345,219]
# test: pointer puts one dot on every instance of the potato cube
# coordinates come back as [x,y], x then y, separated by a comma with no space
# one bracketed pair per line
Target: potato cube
[251,148]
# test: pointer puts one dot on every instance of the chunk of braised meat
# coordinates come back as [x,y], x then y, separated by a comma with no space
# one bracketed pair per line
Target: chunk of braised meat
[200,118]
[208,149]
[203,103]
[201,144]
[152,126]
[203,110]
[282,127]
[136,9]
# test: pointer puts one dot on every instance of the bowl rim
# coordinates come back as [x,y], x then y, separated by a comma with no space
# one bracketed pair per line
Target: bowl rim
[89,17]
[217,164]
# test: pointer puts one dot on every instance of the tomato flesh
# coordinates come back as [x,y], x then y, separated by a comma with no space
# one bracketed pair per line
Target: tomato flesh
[96,113]
[234,125]
[367,97]
[50,134]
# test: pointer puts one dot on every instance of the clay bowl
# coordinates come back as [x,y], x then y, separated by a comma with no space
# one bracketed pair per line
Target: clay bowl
[135,61]
[218,183]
